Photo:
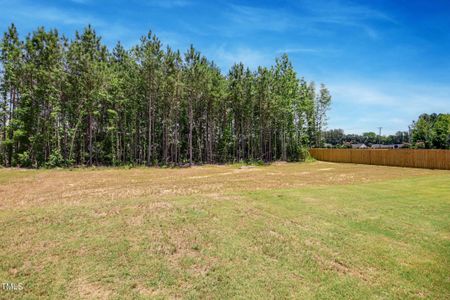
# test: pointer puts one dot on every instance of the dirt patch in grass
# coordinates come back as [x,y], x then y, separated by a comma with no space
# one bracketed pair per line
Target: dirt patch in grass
[82,288]
[40,188]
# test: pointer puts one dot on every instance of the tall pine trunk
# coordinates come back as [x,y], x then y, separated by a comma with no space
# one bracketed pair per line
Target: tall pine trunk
[190,130]
[90,138]
[149,146]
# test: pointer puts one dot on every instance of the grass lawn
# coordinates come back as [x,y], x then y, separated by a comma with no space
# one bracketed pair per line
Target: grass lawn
[311,230]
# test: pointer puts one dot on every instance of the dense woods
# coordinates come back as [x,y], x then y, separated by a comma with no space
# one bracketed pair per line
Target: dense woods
[76,102]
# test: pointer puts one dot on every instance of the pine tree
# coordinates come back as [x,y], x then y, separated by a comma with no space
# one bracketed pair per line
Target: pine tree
[12,61]
[73,102]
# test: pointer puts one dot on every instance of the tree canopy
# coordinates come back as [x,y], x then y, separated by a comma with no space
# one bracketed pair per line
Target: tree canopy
[432,131]
[76,102]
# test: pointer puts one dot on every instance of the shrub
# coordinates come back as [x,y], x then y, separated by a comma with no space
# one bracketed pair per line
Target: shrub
[303,154]
[55,160]
[24,160]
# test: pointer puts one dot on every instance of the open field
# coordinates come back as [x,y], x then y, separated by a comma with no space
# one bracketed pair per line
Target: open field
[311,230]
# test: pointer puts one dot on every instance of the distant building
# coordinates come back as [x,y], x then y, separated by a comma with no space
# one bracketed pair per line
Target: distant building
[359,146]
[389,146]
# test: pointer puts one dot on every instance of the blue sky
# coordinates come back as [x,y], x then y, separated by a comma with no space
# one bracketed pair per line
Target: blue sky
[384,61]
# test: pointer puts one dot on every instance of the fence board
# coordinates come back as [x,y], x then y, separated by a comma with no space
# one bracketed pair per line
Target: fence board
[416,158]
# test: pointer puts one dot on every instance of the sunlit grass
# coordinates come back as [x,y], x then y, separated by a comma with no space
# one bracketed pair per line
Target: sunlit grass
[373,238]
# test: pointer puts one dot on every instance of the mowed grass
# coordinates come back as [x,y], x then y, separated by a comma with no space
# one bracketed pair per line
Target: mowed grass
[312,230]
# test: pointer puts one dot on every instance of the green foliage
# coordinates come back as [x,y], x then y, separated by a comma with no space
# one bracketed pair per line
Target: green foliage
[23,160]
[432,131]
[55,160]
[76,103]
[19,135]
[303,154]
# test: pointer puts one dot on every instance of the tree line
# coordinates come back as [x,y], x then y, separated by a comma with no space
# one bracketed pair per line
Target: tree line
[337,137]
[74,101]
[429,131]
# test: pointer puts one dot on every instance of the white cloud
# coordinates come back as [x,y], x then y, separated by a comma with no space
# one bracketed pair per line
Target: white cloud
[225,57]
[306,50]
[389,103]
[298,50]
[32,14]
[359,93]
[255,18]
[392,93]
[29,14]
[341,11]
[312,17]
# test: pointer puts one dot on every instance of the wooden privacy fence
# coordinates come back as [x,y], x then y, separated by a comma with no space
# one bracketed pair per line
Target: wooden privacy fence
[415,158]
